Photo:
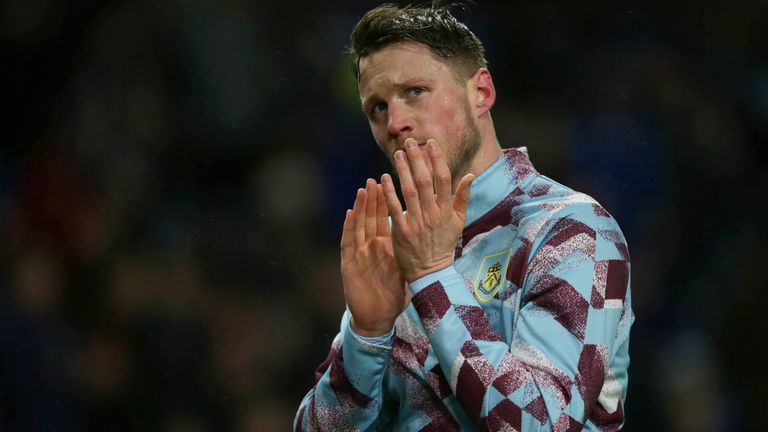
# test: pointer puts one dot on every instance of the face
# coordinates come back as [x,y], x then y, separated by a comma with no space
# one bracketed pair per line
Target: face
[408,92]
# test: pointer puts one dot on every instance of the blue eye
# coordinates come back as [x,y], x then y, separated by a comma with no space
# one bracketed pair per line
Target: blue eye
[416,91]
[379,107]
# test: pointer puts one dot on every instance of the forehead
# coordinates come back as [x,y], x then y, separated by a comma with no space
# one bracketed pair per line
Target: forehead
[400,63]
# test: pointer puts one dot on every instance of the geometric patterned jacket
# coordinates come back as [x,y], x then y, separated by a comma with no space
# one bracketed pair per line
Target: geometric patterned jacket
[528,330]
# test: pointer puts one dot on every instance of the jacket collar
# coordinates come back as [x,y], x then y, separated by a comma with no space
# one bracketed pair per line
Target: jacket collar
[498,181]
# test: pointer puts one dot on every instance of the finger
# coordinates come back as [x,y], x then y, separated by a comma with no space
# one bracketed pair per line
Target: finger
[442,173]
[410,193]
[421,176]
[370,208]
[428,160]
[348,236]
[382,224]
[393,202]
[359,214]
[461,200]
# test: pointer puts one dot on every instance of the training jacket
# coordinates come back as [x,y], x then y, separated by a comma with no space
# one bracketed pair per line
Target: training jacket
[528,330]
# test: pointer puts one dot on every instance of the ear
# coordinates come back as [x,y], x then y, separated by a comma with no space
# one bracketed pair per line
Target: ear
[482,92]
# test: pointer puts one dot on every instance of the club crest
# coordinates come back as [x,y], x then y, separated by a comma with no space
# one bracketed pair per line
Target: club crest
[490,275]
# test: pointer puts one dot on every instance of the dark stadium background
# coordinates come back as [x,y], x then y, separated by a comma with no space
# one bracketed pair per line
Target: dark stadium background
[174,174]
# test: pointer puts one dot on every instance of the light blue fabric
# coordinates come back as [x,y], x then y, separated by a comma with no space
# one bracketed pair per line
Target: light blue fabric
[527,330]
[383,340]
[424,281]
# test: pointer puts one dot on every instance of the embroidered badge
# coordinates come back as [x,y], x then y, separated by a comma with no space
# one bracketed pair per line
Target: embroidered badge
[490,275]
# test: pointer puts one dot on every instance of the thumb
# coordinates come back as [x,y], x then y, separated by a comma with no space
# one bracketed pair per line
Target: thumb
[461,199]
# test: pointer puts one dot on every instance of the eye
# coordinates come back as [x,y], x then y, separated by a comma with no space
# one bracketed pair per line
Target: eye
[378,107]
[416,91]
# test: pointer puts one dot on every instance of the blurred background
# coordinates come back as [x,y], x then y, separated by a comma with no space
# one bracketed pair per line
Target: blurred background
[174,175]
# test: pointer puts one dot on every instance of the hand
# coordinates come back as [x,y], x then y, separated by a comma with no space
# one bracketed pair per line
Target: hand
[374,288]
[424,238]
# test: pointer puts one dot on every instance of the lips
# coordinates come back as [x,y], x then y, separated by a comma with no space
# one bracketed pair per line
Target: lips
[401,145]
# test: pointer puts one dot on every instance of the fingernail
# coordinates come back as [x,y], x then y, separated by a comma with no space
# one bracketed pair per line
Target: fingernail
[385,178]
[400,155]
[432,144]
[410,143]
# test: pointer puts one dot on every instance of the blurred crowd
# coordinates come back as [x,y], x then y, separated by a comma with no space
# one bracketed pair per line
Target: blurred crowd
[174,174]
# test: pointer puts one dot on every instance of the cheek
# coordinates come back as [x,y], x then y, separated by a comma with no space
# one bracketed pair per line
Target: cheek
[451,120]
[379,136]
[384,145]
[454,127]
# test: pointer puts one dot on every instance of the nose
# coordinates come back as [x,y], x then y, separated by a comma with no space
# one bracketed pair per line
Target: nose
[399,120]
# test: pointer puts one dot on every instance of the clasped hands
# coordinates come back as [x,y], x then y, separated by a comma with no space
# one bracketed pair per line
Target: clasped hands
[378,261]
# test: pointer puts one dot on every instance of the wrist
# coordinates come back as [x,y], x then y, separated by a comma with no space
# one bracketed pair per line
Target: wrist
[420,273]
[374,330]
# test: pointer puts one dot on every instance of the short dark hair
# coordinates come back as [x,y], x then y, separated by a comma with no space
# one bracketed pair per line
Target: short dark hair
[433,26]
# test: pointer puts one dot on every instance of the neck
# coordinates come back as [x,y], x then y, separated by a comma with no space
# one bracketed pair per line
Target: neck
[490,149]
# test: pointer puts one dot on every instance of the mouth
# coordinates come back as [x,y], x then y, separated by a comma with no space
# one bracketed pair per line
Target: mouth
[402,147]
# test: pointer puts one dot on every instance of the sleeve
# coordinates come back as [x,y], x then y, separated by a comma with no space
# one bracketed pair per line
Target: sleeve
[348,385]
[566,363]
[383,340]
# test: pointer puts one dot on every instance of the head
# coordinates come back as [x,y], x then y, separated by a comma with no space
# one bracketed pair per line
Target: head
[422,74]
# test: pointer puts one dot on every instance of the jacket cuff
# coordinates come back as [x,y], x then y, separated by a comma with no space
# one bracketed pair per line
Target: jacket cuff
[364,362]
[384,340]
[447,274]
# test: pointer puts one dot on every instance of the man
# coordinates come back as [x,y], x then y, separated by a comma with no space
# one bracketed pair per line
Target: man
[500,299]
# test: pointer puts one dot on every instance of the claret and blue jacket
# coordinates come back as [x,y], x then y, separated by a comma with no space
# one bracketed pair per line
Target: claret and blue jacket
[528,330]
